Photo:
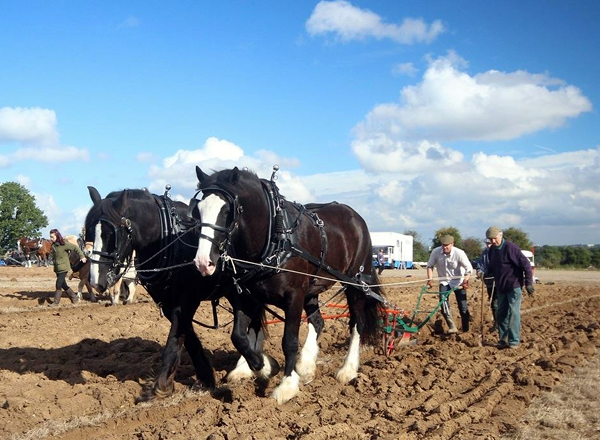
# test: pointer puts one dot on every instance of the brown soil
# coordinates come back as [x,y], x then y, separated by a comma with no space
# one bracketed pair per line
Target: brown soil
[75,371]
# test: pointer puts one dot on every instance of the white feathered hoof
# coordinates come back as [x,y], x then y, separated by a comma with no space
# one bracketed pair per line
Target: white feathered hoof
[287,389]
[240,372]
[346,374]
[270,369]
[307,371]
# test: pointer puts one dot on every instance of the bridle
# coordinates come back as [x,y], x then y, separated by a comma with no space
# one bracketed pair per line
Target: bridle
[230,229]
[120,258]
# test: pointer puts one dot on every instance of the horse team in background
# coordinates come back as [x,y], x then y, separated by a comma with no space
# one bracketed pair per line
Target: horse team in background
[123,290]
[41,248]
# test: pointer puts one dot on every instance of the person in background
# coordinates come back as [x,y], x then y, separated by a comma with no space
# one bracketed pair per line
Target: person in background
[380,261]
[511,270]
[453,269]
[60,256]
[487,278]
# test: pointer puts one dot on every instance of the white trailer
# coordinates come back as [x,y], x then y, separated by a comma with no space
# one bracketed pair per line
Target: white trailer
[397,248]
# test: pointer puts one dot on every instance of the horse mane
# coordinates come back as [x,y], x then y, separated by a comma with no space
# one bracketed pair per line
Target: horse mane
[113,206]
[230,179]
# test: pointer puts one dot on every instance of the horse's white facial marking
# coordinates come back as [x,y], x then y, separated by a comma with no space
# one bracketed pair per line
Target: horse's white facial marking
[209,209]
[95,267]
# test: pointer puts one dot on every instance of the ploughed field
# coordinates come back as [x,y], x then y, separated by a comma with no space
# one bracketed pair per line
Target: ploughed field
[75,371]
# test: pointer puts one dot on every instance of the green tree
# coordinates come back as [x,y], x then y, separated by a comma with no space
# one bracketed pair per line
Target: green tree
[596,257]
[578,256]
[548,256]
[472,247]
[420,252]
[450,230]
[518,237]
[19,215]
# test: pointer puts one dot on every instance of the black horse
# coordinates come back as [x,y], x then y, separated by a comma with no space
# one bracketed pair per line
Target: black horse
[285,254]
[159,230]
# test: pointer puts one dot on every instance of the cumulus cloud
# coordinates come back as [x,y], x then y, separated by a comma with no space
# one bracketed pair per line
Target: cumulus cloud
[52,154]
[28,126]
[449,105]
[348,23]
[145,157]
[217,154]
[407,69]
[538,195]
[33,134]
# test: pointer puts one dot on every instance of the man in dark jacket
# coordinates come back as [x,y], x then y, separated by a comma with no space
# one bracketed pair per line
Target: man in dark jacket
[512,271]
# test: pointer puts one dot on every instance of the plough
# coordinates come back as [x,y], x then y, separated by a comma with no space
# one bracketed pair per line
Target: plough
[395,327]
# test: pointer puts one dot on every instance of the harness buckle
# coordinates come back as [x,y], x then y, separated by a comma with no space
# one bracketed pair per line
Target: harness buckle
[237,286]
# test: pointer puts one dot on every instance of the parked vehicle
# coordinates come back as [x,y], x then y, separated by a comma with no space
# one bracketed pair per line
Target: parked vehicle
[397,249]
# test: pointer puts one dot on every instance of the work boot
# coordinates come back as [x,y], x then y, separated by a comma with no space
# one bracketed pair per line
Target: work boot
[73,296]
[465,322]
[57,296]
[451,326]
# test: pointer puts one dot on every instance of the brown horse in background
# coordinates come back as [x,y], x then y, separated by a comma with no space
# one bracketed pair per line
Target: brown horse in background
[41,247]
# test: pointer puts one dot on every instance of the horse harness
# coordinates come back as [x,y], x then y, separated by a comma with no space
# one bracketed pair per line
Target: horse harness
[171,228]
[282,243]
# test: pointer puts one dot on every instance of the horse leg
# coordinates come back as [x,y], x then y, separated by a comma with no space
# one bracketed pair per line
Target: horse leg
[90,291]
[130,289]
[307,365]
[171,356]
[115,292]
[248,338]
[290,384]
[80,288]
[204,370]
[349,370]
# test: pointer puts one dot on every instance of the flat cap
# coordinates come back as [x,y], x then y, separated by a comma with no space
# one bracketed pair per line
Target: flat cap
[447,239]
[493,232]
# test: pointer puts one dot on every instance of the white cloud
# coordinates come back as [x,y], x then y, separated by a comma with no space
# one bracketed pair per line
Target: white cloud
[28,126]
[348,22]
[407,69]
[145,157]
[449,104]
[216,154]
[537,195]
[33,131]
[23,180]
[52,154]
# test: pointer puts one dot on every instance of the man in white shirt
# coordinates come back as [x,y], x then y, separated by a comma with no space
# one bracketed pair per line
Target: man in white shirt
[453,269]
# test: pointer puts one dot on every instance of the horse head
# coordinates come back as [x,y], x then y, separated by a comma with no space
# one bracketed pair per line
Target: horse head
[112,233]
[219,213]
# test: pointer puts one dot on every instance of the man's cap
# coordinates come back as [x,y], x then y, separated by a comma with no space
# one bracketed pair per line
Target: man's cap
[447,239]
[493,232]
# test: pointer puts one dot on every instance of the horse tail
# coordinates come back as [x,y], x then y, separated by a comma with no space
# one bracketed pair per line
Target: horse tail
[373,310]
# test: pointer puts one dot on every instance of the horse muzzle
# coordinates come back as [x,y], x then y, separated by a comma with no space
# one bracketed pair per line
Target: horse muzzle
[205,266]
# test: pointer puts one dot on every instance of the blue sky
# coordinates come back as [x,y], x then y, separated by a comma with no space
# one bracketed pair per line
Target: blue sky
[420,115]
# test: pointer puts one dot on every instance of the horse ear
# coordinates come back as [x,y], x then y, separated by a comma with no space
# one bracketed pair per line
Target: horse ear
[121,202]
[201,174]
[235,176]
[94,194]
